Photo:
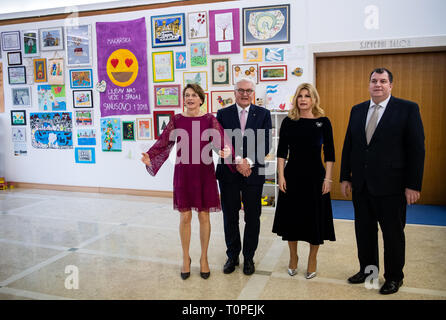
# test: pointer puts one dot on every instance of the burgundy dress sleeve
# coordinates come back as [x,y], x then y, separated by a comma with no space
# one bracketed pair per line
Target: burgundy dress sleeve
[224,141]
[160,151]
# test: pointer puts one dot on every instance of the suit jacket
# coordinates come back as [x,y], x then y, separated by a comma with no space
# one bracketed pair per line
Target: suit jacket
[253,145]
[394,159]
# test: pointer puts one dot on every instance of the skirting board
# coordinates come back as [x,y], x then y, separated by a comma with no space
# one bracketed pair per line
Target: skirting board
[134,192]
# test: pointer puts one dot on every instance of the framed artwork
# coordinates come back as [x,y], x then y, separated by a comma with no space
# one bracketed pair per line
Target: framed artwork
[21,96]
[128,130]
[17,75]
[78,45]
[144,128]
[14,58]
[224,35]
[51,97]
[161,119]
[51,39]
[57,133]
[197,24]
[198,54]
[273,73]
[274,54]
[18,134]
[86,137]
[11,41]
[180,60]
[18,117]
[81,78]
[83,118]
[56,74]
[240,71]
[30,43]
[167,96]
[40,71]
[84,155]
[111,137]
[220,72]
[266,25]
[221,99]
[252,54]
[198,77]
[204,108]
[162,66]
[82,98]
[168,30]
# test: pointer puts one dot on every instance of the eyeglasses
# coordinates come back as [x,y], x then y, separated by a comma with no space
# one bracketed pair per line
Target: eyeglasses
[242,91]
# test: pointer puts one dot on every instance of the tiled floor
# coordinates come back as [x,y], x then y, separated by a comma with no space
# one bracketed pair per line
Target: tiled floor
[128,247]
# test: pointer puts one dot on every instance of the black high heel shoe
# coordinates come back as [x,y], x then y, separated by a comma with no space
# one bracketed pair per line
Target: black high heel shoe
[185,275]
[205,275]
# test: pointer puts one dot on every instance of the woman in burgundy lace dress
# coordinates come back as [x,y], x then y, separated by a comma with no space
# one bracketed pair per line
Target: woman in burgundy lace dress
[196,134]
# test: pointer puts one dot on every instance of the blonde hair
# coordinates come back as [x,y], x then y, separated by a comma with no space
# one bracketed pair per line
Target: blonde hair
[317,111]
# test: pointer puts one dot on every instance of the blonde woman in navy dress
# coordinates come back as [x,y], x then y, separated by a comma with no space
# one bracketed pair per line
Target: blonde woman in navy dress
[303,211]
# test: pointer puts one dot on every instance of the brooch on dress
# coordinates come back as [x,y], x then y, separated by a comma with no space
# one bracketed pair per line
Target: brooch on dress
[319,124]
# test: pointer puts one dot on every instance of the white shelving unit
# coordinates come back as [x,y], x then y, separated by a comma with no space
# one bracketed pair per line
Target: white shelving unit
[271,188]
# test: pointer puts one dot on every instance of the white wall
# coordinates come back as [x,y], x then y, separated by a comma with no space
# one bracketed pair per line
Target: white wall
[312,21]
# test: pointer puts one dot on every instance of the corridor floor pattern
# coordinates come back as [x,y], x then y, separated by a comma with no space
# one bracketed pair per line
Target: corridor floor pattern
[74,245]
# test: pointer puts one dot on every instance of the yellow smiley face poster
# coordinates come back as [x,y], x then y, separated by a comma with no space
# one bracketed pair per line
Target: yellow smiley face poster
[122,65]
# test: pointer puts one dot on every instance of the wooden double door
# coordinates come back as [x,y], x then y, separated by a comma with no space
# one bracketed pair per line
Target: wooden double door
[342,82]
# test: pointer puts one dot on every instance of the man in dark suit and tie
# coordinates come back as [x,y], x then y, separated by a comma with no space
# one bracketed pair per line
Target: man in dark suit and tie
[249,127]
[382,164]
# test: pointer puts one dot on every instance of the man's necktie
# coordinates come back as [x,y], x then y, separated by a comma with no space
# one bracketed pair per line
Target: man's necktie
[243,121]
[371,126]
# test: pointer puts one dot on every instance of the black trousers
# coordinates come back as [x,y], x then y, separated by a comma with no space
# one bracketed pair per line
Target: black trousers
[231,196]
[390,213]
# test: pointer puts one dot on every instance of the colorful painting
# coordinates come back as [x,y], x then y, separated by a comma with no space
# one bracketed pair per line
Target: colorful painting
[81,78]
[273,73]
[78,44]
[51,39]
[84,155]
[40,71]
[274,54]
[224,26]
[51,130]
[198,54]
[162,66]
[240,71]
[84,118]
[122,65]
[30,43]
[167,96]
[199,77]
[128,130]
[18,117]
[56,74]
[86,137]
[220,71]
[269,24]
[111,137]
[82,98]
[197,24]
[51,98]
[144,126]
[168,30]
[221,99]
[180,60]
[252,54]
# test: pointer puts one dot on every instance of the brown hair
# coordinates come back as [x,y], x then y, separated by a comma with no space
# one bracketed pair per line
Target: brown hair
[316,109]
[197,89]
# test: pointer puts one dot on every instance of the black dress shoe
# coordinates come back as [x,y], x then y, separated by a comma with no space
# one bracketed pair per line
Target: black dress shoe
[248,267]
[358,278]
[185,275]
[390,287]
[229,266]
[205,275]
